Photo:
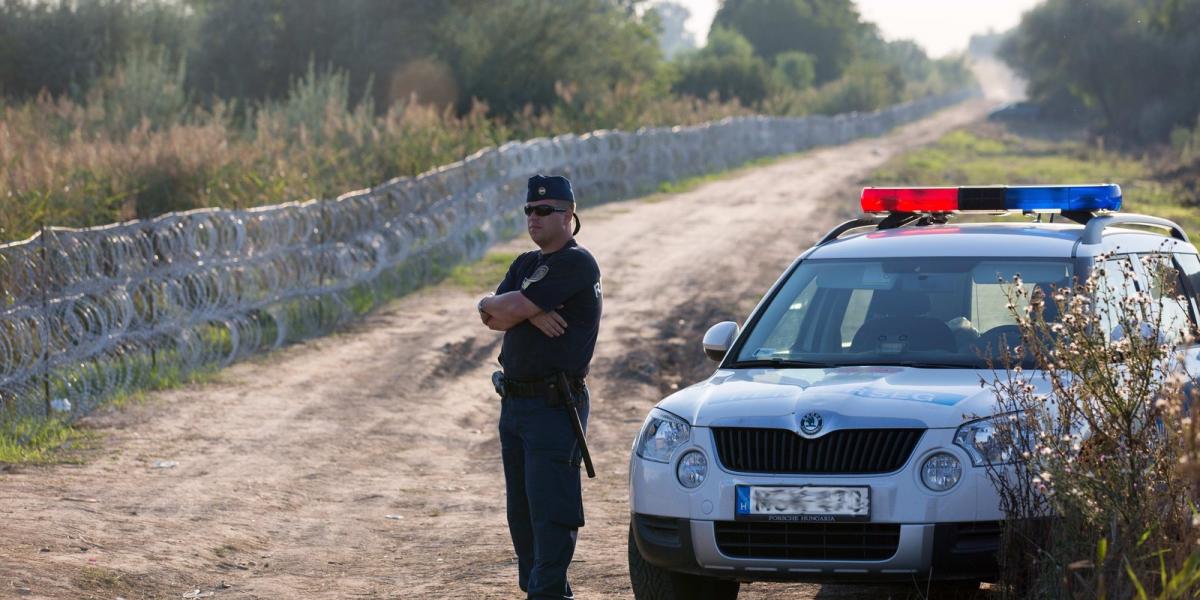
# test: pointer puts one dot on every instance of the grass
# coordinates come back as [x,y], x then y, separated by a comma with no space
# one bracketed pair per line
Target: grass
[94,577]
[484,273]
[34,441]
[992,154]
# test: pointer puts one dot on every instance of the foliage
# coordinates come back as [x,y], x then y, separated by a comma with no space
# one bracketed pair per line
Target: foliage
[515,38]
[1131,66]
[827,30]
[482,273]
[156,105]
[727,68]
[1101,496]
[62,164]
[63,46]
[253,49]
[864,87]
[795,69]
[147,86]
[27,440]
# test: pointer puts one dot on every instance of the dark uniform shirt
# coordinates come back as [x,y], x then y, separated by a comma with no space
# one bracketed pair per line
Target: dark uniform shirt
[566,281]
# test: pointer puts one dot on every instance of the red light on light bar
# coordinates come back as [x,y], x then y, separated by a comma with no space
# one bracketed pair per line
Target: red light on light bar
[914,200]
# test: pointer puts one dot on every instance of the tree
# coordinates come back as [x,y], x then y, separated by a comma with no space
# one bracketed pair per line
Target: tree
[827,30]
[1133,66]
[728,67]
[62,46]
[254,49]
[796,69]
[519,53]
[673,36]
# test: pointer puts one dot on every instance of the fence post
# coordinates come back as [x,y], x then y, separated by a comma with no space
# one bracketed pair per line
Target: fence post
[152,299]
[322,239]
[45,333]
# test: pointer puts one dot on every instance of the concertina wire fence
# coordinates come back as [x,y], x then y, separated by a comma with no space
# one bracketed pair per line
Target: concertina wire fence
[89,313]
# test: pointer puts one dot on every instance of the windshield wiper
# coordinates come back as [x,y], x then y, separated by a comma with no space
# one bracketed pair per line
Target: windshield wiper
[780,363]
[910,363]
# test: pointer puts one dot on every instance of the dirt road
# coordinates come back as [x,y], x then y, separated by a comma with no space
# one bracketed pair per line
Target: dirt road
[366,464]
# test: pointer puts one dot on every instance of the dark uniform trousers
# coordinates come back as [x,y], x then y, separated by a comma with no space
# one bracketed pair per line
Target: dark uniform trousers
[541,477]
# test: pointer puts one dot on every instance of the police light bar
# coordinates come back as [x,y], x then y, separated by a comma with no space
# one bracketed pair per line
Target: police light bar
[993,199]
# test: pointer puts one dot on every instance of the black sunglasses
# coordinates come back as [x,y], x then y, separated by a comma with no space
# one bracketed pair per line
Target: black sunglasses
[542,210]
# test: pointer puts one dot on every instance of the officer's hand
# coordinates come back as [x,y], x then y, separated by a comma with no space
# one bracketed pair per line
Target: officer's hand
[550,323]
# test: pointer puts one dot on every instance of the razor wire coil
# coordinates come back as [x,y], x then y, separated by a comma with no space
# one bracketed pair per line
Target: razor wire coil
[89,313]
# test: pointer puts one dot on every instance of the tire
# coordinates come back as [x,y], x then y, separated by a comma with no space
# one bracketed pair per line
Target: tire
[954,590]
[655,583]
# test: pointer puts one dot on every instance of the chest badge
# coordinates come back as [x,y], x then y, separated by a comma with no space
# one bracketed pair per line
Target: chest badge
[537,276]
[811,423]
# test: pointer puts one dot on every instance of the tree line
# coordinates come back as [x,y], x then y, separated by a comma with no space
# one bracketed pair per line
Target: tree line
[1130,68]
[514,55]
[120,109]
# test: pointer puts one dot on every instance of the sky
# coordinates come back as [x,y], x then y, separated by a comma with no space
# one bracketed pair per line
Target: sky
[940,26]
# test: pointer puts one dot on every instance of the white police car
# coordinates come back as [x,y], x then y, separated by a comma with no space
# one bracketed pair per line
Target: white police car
[840,438]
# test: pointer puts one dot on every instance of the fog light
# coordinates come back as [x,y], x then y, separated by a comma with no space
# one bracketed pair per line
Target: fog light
[941,471]
[692,469]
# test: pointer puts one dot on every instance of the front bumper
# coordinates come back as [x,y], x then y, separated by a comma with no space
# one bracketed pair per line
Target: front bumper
[939,552]
[952,535]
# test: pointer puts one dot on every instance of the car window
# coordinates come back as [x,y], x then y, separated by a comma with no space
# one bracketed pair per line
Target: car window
[1118,281]
[789,324]
[950,311]
[856,314]
[1166,288]
[1189,264]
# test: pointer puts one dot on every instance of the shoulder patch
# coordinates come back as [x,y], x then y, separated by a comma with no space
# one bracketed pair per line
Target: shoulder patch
[537,276]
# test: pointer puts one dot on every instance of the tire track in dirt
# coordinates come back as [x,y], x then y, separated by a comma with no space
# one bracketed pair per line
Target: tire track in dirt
[366,464]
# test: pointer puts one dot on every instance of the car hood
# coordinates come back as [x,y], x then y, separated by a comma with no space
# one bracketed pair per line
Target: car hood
[844,397]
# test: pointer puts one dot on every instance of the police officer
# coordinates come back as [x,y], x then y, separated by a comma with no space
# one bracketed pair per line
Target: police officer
[548,307]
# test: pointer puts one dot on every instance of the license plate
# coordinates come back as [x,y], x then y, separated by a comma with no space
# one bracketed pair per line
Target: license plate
[818,503]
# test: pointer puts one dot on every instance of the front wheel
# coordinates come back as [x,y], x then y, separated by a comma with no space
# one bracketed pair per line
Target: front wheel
[655,583]
[955,590]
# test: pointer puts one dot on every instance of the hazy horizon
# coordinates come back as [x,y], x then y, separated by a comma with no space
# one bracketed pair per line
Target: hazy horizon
[941,27]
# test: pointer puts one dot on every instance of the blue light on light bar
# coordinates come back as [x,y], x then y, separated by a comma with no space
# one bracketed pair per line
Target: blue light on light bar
[1084,198]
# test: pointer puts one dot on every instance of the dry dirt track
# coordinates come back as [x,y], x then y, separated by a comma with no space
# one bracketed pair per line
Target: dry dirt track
[366,464]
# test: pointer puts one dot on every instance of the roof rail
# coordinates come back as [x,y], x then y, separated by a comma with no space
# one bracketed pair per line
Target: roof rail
[1093,233]
[837,232]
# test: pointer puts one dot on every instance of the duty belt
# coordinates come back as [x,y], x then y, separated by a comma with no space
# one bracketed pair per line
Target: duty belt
[536,387]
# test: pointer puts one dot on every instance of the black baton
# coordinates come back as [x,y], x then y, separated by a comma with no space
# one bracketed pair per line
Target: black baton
[576,424]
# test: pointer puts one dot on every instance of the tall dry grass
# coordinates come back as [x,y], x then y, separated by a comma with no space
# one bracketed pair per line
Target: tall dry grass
[138,147]
[1101,498]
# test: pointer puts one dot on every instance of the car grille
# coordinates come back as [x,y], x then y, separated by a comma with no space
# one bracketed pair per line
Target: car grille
[845,451]
[807,541]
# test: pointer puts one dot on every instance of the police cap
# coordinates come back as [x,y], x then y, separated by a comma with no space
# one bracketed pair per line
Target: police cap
[554,187]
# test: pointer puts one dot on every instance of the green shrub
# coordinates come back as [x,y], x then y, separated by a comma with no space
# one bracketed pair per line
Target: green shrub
[726,69]
[796,69]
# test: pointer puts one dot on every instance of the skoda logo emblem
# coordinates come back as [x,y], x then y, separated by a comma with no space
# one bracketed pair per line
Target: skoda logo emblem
[811,423]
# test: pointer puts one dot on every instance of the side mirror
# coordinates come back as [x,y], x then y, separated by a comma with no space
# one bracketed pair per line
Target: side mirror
[719,338]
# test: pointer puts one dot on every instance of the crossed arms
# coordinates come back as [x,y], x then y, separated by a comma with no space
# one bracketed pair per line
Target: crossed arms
[505,311]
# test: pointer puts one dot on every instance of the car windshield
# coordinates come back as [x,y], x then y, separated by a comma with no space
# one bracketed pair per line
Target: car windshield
[926,312]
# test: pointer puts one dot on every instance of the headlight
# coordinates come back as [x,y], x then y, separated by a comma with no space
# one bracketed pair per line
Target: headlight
[692,469]
[941,471]
[989,441]
[662,433]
